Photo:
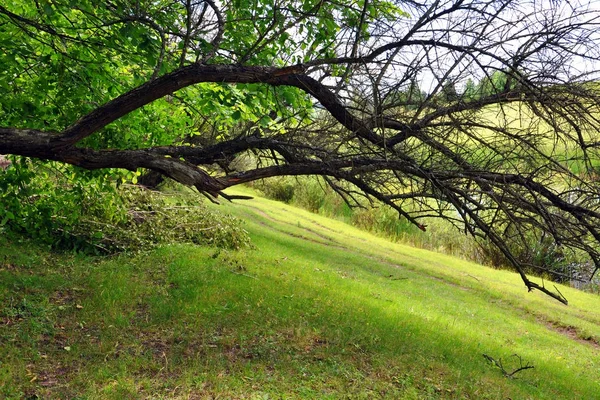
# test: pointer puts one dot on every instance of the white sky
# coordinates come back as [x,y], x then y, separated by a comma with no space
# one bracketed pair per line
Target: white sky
[528,13]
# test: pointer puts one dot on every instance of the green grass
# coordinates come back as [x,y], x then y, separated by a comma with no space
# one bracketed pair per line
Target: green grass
[317,310]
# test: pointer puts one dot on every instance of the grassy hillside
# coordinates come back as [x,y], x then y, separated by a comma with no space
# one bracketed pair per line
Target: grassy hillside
[317,310]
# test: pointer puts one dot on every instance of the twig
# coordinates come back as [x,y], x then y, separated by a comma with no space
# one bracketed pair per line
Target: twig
[559,292]
[498,363]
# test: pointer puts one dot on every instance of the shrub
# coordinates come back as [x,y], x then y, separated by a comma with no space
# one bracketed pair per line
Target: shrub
[540,256]
[86,211]
[277,188]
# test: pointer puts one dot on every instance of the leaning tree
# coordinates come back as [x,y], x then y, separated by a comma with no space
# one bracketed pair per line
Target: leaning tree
[376,96]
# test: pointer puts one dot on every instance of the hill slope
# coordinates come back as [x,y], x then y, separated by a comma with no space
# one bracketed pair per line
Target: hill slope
[317,310]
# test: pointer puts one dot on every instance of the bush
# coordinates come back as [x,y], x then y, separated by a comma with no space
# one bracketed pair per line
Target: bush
[278,188]
[86,211]
[313,194]
[539,256]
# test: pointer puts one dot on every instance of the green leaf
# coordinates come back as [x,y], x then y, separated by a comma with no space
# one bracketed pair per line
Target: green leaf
[48,9]
[290,98]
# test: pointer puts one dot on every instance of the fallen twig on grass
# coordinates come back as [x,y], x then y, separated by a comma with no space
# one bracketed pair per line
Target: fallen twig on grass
[498,363]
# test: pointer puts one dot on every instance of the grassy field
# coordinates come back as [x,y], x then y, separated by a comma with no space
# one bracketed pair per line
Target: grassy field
[317,310]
